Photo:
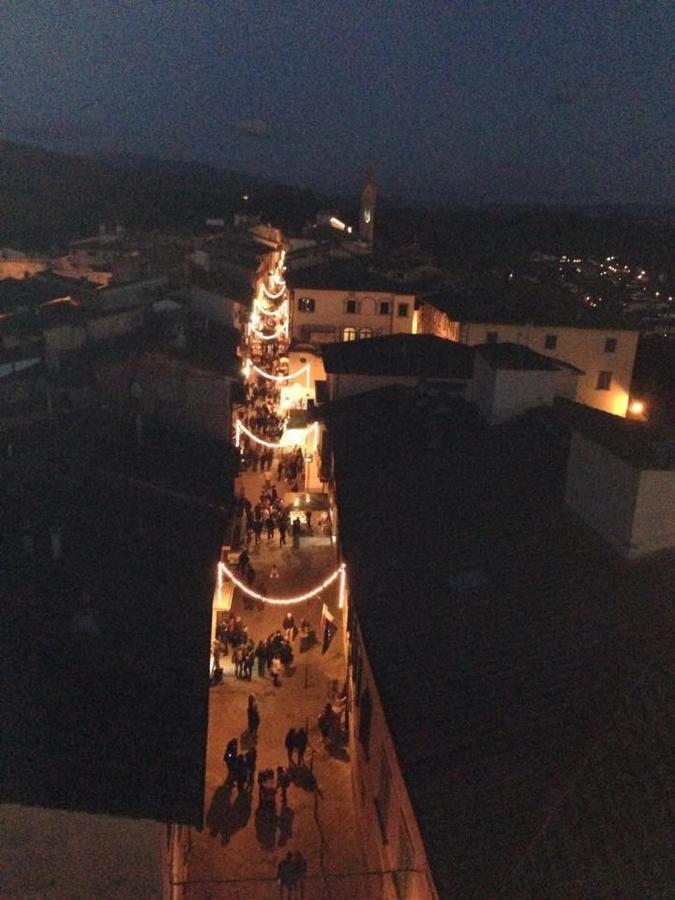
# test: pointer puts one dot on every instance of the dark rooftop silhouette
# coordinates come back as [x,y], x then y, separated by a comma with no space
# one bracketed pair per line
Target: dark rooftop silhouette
[105,648]
[534,717]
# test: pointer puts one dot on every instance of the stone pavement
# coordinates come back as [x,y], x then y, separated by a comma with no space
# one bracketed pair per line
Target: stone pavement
[237,853]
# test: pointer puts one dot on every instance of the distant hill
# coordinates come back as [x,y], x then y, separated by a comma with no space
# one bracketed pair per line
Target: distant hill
[49,198]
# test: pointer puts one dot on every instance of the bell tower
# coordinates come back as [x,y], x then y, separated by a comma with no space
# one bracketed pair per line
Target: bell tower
[367,211]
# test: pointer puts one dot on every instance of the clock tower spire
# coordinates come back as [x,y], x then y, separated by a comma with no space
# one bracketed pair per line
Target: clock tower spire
[367,211]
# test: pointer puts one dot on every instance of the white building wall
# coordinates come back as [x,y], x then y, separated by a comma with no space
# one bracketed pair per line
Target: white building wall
[654,520]
[329,313]
[603,490]
[482,387]
[62,854]
[516,390]
[381,840]
[583,348]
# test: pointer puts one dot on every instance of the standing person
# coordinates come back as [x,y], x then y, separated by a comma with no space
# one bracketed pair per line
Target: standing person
[261,656]
[300,866]
[238,661]
[283,527]
[286,876]
[288,626]
[253,716]
[249,660]
[289,744]
[243,562]
[283,783]
[308,517]
[296,529]
[251,760]
[301,745]
[230,756]
[257,530]
[269,524]
[276,670]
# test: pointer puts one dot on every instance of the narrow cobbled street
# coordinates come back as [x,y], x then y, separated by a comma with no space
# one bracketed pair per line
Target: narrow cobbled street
[238,852]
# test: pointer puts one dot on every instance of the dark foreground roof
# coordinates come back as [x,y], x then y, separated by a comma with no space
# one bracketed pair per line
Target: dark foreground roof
[637,443]
[105,650]
[534,713]
[422,355]
[515,356]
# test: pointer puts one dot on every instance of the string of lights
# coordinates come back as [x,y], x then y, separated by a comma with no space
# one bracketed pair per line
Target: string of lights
[270,295]
[267,337]
[239,427]
[301,371]
[285,601]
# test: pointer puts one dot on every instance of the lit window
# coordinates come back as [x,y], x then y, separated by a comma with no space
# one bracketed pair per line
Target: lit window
[384,308]
[610,345]
[365,333]
[306,304]
[491,337]
[402,311]
[352,306]
[550,341]
[604,381]
[349,334]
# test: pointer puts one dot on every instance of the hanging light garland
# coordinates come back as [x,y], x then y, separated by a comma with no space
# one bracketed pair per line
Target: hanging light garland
[286,601]
[267,337]
[270,295]
[301,371]
[241,427]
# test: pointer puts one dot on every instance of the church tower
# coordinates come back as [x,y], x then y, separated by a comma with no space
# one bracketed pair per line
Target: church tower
[367,211]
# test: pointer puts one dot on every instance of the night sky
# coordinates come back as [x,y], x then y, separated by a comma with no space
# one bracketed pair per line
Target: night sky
[499,101]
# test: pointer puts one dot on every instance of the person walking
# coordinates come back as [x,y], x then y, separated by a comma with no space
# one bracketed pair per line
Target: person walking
[241,773]
[301,745]
[289,744]
[251,758]
[253,716]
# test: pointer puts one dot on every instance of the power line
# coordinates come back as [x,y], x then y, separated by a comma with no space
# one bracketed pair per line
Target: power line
[273,878]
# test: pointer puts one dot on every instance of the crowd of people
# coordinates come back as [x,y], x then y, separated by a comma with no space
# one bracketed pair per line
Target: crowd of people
[274,655]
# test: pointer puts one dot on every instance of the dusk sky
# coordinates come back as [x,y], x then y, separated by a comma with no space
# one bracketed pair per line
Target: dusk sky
[498,101]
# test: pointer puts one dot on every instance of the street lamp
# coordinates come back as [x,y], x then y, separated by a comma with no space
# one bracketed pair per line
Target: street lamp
[637,409]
